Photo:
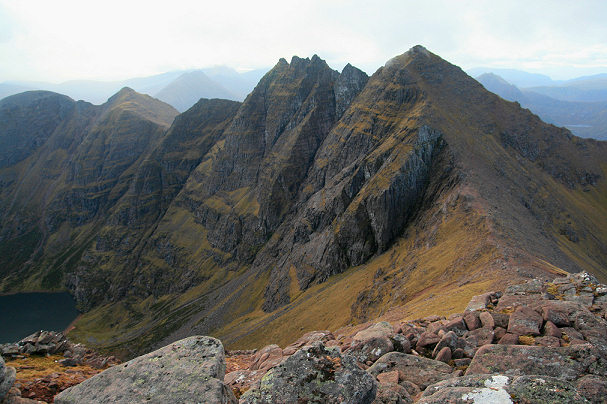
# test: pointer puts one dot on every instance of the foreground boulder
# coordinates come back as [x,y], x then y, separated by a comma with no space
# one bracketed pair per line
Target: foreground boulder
[564,362]
[7,378]
[314,374]
[187,371]
[502,389]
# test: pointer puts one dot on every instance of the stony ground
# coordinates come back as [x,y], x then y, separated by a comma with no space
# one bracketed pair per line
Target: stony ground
[47,363]
[535,342]
[552,334]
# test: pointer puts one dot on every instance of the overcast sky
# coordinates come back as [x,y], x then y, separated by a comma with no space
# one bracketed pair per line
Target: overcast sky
[56,40]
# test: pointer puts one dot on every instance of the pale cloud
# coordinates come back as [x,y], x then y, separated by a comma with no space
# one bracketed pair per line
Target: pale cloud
[68,39]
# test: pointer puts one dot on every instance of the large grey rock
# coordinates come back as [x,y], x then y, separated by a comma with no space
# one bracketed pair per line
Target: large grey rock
[314,374]
[564,362]
[502,389]
[188,371]
[7,378]
[415,369]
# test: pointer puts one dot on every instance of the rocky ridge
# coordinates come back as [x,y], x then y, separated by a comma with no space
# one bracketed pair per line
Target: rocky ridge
[538,341]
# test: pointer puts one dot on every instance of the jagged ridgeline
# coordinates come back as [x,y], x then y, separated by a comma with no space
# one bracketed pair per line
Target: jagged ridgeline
[323,199]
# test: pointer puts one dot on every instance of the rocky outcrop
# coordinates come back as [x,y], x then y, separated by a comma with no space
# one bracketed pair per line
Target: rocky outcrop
[314,374]
[502,389]
[466,357]
[7,378]
[188,371]
[429,360]
[56,343]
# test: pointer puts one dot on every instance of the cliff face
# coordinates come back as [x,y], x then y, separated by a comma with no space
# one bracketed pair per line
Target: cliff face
[325,198]
[76,167]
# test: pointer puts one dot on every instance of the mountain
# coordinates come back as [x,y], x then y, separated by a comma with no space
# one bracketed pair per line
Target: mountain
[187,89]
[74,161]
[583,89]
[96,92]
[519,78]
[501,87]
[183,87]
[585,119]
[239,84]
[324,199]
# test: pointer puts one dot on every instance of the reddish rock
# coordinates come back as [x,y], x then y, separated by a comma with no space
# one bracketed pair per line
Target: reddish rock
[388,377]
[593,388]
[419,370]
[576,341]
[565,362]
[392,393]
[427,339]
[551,330]
[482,336]
[508,339]
[498,333]
[444,355]
[456,325]
[486,320]
[500,319]
[462,362]
[450,340]
[308,339]
[525,321]
[472,321]
[479,302]
[557,317]
[572,333]
[549,341]
[267,357]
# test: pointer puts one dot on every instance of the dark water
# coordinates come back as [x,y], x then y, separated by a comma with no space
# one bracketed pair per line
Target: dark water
[25,313]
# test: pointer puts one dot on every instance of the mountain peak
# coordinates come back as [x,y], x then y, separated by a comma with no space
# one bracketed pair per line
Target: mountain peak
[150,108]
[417,53]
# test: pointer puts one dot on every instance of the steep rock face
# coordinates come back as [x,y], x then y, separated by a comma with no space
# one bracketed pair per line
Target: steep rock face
[56,197]
[249,181]
[152,187]
[367,177]
[26,122]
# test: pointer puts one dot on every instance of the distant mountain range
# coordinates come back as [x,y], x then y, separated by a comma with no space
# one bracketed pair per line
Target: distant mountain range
[579,105]
[181,89]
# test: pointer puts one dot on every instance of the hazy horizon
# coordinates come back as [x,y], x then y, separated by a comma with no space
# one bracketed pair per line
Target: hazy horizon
[69,40]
